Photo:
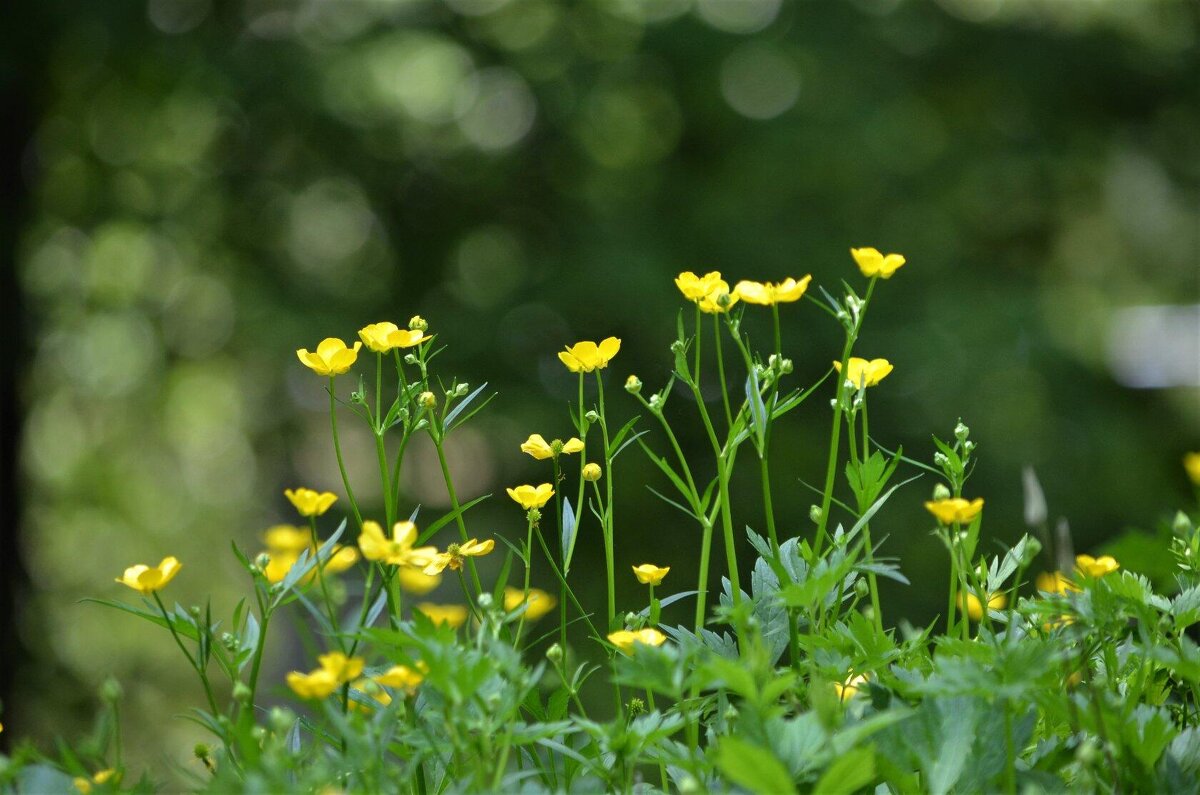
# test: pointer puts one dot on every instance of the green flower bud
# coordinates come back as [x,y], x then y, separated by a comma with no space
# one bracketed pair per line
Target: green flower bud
[941,492]
[554,654]
[633,385]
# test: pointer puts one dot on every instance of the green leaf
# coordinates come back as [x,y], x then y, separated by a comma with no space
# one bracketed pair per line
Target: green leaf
[753,767]
[850,773]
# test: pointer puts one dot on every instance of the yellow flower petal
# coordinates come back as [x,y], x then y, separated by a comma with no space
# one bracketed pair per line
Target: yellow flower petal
[1096,567]
[955,509]
[862,372]
[416,581]
[308,502]
[625,639]
[539,602]
[532,497]
[375,336]
[453,615]
[1191,464]
[537,447]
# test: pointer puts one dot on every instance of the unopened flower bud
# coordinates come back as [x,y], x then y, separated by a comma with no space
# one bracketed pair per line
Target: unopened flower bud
[814,514]
[417,323]
[111,691]
[678,347]
[592,472]
[427,400]
[195,611]
[259,733]
[592,416]
[554,654]
[410,358]
[961,432]
[968,446]
[636,706]
[1182,524]
[261,561]
[724,300]
[786,366]
[633,385]
[861,589]
[242,692]
[655,402]
[229,641]
[940,459]
[632,620]
[486,601]
[731,714]
[941,492]
[461,390]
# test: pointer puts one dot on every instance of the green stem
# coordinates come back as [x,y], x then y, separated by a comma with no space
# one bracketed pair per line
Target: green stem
[337,448]
[458,518]
[872,581]
[727,526]
[562,588]
[607,509]
[320,569]
[528,567]
[563,580]
[721,370]
[212,701]
[265,612]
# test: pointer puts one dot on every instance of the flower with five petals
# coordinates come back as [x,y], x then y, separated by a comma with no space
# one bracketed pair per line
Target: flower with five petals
[862,372]
[770,293]
[587,356]
[955,509]
[397,550]
[537,446]
[455,554]
[532,497]
[146,579]
[872,263]
[331,357]
[309,502]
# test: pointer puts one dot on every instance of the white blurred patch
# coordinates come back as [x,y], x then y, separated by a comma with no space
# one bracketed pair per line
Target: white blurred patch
[1154,347]
[738,16]
[759,81]
[496,109]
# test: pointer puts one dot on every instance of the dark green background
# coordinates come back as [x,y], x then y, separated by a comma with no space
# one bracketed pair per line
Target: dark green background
[210,188]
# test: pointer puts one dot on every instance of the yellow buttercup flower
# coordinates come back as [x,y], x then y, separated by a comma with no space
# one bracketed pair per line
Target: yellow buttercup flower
[454,615]
[281,562]
[146,580]
[104,776]
[455,554]
[375,336]
[314,685]
[955,509]
[625,639]
[336,670]
[996,601]
[586,356]
[649,574]
[770,293]
[872,263]
[846,689]
[288,538]
[696,287]
[718,300]
[309,502]
[397,550]
[591,472]
[861,372]
[1054,582]
[1096,567]
[540,602]
[1191,463]
[416,581]
[537,446]
[331,358]
[532,497]
[401,677]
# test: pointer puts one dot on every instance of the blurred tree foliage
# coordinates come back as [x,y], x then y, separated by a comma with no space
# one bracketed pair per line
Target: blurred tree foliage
[215,185]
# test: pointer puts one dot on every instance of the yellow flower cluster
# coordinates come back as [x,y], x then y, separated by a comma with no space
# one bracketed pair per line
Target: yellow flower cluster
[333,357]
[710,292]
[284,545]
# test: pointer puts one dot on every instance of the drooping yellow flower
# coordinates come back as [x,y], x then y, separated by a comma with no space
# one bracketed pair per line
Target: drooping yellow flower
[587,356]
[397,550]
[872,263]
[591,472]
[454,615]
[1055,582]
[407,338]
[625,639]
[1191,463]
[455,554]
[401,677]
[1096,567]
[309,502]
[146,580]
[955,509]
[532,497]
[375,336]
[846,689]
[770,293]
[103,777]
[861,372]
[331,357]
[537,446]
[416,581]
[696,287]
[997,601]
[649,574]
[540,602]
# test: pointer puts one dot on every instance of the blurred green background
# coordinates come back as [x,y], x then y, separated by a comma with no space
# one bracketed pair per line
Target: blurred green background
[213,185]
